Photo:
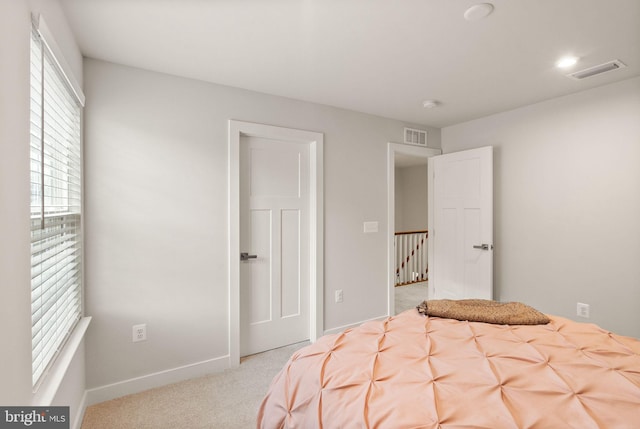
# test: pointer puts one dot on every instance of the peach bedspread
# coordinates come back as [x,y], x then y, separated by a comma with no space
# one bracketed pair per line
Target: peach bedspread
[412,371]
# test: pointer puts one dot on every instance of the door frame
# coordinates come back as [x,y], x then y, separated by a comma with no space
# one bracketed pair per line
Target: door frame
[392,150]
[315,140]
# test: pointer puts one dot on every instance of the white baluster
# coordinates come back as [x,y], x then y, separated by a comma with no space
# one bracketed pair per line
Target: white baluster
[419,257]
[398,252]
[412,255]
[405,246]
[425,256]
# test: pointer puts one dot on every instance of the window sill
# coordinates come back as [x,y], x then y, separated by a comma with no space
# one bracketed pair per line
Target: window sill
[46,392]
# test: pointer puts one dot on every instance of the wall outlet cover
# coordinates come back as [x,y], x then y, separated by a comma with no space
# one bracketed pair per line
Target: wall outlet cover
[139,333]
[582,310]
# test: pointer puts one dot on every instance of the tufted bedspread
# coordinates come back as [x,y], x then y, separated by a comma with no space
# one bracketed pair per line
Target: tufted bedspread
[412,371]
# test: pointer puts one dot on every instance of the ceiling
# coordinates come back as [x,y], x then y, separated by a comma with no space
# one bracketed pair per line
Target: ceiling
[380,57]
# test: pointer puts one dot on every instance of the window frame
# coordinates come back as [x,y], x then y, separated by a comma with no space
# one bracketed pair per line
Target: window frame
[56,203]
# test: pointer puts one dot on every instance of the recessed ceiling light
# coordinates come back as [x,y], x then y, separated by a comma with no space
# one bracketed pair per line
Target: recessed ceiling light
[478,11]
[430,104]
[566,62]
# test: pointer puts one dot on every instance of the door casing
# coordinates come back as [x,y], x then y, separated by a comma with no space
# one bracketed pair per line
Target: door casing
[315,141]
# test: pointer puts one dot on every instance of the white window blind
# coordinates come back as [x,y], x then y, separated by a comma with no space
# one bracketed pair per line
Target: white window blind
[56,239]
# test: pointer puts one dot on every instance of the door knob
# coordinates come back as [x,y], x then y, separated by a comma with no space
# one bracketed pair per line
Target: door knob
[244,256]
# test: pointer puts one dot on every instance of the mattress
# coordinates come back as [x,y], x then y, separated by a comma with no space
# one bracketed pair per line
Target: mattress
[415,371]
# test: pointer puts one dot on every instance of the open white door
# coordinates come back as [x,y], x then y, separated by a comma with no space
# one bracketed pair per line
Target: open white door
[461,224]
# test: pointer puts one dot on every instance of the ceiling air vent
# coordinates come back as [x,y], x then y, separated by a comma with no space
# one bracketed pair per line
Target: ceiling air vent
[599,69]
[416,137]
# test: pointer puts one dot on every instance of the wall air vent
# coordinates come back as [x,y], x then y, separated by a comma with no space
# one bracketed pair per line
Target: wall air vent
[415,137]
[599,69]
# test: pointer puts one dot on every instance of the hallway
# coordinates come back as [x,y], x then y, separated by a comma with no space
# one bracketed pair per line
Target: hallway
[409,296]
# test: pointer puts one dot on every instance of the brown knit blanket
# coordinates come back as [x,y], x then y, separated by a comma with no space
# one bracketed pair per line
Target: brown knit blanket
[480,310]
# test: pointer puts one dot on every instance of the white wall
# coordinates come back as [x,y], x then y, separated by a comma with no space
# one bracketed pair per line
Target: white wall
[411,198]
[567,202]
[15,278]
[156,213]
[15,275]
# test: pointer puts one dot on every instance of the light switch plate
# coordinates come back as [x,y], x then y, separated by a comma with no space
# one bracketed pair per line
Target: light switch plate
[370,227]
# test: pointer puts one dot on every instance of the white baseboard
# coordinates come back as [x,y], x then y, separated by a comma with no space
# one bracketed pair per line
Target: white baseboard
[353,325]
[82,406]
[162,378]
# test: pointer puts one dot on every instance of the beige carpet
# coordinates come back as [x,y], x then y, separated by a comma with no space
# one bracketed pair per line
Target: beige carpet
[227,400]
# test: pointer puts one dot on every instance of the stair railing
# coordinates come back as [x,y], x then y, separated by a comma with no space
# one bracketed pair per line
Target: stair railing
[411,257]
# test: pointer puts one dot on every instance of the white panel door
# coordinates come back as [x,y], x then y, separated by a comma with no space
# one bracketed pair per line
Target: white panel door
[462,225]
[274,232]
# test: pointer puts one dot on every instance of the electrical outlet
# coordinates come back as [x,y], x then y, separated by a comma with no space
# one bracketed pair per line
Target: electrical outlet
[582,310]
[139,333]
[339,295]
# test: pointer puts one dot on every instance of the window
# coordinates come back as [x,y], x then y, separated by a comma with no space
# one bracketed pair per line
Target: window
[56,233]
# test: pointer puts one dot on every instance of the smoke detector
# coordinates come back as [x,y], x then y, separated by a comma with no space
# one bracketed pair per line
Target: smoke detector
[596,70]
[478,12]
[430,104]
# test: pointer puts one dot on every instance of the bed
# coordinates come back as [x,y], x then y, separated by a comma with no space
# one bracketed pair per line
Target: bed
[417,371]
